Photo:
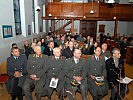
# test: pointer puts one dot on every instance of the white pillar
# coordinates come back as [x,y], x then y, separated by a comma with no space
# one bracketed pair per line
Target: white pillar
[22,13]
[36,17]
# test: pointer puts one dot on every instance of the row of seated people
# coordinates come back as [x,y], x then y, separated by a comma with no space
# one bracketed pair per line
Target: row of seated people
[120,42]
[65,75]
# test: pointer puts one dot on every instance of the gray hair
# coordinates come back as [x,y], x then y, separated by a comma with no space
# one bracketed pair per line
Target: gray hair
[55,49]
[37,46]
[115,49]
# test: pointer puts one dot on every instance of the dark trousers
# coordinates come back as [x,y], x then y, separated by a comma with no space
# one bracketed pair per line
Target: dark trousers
[116,94]
[47,91]
[71,92]
[18,95]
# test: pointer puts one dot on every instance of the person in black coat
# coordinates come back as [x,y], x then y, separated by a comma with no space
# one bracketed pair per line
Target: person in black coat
[16,69]
[49,50]
[68,52]
[115,71]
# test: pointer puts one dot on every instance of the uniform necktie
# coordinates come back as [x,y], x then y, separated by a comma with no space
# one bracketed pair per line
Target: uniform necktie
[97,59]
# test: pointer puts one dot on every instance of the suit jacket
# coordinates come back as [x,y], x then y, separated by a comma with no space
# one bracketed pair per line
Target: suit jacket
[48,52]
[112,71]
[67,53]
[17,65]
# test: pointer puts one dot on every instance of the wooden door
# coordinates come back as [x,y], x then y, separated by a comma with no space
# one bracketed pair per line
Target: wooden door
[88,28]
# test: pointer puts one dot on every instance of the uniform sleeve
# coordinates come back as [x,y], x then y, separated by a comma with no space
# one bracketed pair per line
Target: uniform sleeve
[66,69]
[24,71]
[29,66]
[10,67]
[123,70]
[104,70]
[85,69]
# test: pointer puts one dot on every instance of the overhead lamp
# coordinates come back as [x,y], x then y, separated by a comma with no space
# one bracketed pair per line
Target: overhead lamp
[49,15]
[84,17]
[114,17]
[55,18]
[111,1]
[37,8]
[91,12]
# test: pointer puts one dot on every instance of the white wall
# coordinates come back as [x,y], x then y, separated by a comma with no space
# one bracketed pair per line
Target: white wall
[122,27]
[129,28]
[7,18]
[124,2]
[109,27]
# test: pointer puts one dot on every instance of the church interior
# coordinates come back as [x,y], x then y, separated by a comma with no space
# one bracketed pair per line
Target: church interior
[105,21]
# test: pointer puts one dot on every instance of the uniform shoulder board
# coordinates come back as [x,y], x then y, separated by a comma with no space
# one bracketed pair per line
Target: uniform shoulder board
[34,55]
[92,57]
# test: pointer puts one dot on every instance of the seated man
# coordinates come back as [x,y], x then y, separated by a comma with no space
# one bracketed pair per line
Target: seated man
[16,69]
[68,52]
[73,80]
[115,71]
[55,65]
[36,74]
[95,71]
[49,50]
[105,53]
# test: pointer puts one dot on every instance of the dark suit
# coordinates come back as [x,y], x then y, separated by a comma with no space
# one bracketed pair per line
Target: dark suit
[96,68]
[112,76]
[15,84]
[67,53]
[35,66]
[72,69]
[54,70]
[48,52]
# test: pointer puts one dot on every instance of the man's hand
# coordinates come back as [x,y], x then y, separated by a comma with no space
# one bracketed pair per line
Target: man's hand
[17,74]
[77,78]
[33,76]
[93,77]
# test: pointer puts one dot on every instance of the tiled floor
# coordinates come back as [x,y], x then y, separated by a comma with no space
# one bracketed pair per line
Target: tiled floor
[128,70]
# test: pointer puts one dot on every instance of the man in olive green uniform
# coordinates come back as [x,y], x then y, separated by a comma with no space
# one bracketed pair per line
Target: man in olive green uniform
[94,68]
[36,74]
[105,53]
[55,64]
[73,71]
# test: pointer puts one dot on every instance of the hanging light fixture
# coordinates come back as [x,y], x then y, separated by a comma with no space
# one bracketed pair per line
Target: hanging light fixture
[50,10]
[111,1]
[92,12]
[84,17]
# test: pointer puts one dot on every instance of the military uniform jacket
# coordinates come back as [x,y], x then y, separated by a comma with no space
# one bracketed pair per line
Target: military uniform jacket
[96,68]
[67,53]
[54,67]
[106,53]
[18,64]
[36,65]
[72,69]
